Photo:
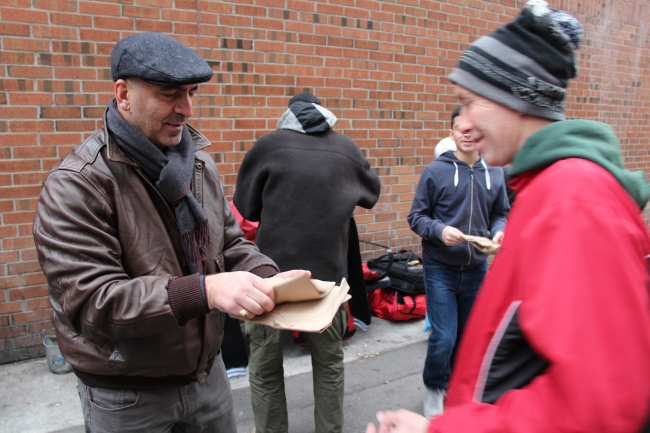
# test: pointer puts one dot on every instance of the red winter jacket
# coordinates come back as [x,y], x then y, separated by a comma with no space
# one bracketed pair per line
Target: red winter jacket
[559,338]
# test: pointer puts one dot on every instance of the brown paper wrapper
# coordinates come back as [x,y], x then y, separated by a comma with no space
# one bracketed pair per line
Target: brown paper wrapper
[482,244]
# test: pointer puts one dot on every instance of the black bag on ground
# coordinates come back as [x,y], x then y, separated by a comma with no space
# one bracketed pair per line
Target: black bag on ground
[406,273]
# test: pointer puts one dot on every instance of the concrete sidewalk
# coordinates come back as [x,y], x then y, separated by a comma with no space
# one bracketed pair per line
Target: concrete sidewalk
[383,370]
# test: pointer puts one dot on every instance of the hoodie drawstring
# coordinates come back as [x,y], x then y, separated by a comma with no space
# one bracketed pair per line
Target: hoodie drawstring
[456,176]
[487,175]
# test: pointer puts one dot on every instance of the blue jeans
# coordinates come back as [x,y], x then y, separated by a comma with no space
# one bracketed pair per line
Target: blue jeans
[450,296]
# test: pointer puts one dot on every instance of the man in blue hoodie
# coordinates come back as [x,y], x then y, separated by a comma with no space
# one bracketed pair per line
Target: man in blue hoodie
[458,194]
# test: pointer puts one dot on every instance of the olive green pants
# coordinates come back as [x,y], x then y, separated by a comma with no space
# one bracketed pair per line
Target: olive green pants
[266,375]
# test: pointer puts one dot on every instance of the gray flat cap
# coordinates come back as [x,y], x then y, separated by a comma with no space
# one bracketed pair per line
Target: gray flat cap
[158,59]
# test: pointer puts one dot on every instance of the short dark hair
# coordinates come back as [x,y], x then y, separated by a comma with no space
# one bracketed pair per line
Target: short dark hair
[454,115]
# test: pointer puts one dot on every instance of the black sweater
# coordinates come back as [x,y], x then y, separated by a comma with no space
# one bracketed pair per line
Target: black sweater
[303,189]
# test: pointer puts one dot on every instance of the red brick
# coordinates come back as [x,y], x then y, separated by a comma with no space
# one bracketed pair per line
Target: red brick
[177,15]
[75,73]
[36,278]
[54,32]
[9,282]
[153,26]
[7,257]
[36,152]
[14,29]
[27,341]
[18,165]
[60,60]
[13,331]
[31,126]
[30,71]
[38,327]
[18,139]
[18,218]
[75,20]
[73,47]
[141,12]
[26,204]
[56,5]
[114,23]
[23,15]
[37,304]
[10,307]
[26,44]
[99,35]
[8,232]
[25,229]
[99,8]
[18,243]
[27,292]
[75,125]
[60,112]
[8,57]
[30,98]
[251,11]
[93,112]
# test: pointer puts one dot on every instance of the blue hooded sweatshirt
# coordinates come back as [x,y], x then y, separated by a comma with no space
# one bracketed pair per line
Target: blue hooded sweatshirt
[452,193]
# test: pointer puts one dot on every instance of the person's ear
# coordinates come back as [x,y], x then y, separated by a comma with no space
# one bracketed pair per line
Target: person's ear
[122,95]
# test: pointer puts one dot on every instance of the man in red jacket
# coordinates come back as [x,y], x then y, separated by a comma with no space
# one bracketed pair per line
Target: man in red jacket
[559,337]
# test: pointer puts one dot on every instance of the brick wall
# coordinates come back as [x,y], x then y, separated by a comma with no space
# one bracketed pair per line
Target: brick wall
[378,65]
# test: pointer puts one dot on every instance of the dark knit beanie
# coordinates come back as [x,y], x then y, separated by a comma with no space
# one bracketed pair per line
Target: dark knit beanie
[525,65]
[304,97]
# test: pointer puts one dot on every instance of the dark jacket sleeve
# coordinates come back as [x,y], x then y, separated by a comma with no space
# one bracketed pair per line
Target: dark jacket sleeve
[250,184]
[419,218]
[370,186]
[236,246]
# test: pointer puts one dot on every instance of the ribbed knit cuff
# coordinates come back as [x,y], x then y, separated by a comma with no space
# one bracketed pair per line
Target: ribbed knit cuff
[264,271]
[186,299]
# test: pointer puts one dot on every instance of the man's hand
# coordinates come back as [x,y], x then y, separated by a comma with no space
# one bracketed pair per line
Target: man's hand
[240,294]
[399,421]
[294,273]
[452,236]
[498,238]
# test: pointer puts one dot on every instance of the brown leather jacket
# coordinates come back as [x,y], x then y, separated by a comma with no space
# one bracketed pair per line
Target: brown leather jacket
[126,312]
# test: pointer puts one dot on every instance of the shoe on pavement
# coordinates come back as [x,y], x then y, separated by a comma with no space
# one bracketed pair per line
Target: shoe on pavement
[433,402]
[236,372]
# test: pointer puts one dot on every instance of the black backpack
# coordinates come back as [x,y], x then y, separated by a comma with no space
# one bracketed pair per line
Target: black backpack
[404,269]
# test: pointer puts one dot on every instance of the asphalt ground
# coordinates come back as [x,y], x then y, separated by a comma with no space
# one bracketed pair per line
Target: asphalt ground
[383,370]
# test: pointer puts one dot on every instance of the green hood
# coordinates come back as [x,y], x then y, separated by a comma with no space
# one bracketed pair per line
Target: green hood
[586,139]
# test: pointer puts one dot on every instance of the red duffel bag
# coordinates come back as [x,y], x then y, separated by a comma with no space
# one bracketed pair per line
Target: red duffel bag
[389,304]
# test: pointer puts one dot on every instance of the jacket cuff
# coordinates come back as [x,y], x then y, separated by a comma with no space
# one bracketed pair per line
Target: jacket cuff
[264,271]
[186,298]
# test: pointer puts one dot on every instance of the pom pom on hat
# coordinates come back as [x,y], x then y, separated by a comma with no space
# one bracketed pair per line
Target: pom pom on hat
[525,65]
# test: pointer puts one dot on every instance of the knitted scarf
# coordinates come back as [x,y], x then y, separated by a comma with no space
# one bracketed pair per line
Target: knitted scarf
[170,170]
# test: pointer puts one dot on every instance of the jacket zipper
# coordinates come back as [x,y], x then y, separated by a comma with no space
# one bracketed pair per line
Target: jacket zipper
[199,375]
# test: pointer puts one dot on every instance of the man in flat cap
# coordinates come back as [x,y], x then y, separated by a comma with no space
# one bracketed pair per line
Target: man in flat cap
[559,337]
[143,256]
[303,182]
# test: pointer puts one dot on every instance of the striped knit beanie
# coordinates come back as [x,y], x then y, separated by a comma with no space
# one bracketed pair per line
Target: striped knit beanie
[525,65]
